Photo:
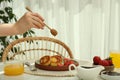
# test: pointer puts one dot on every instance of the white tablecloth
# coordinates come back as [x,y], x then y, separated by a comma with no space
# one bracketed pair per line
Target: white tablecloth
[33,77]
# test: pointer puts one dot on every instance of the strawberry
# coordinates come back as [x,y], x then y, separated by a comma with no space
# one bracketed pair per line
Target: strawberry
[96,60]
[110,62]
[60,64]
[71,62]
[109,59]
[66,59]
[104,63]
[67,63]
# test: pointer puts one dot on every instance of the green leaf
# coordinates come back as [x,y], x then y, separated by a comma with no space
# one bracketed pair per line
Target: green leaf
[5,19]
[16,37]
[8,10]
[10,0]
[11,16]
[24,35]
[1,17]
[1,1]
[15,19]
[1,12]
[32,31]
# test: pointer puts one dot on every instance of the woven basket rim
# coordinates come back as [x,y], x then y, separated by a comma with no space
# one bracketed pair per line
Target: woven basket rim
[8,48]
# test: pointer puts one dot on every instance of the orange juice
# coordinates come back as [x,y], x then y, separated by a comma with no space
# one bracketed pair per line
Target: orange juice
[115,58]
[13,69]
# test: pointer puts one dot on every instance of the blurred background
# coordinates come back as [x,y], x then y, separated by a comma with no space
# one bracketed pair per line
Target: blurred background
[88,27]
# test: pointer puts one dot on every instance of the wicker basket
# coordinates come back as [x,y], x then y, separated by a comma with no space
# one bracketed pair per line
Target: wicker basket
[33,48]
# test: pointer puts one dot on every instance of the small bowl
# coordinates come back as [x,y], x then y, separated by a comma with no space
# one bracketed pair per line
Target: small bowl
[109,68]
[110,75]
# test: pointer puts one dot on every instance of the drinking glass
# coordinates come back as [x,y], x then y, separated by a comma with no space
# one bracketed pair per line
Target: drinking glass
[13,68]
[115,55]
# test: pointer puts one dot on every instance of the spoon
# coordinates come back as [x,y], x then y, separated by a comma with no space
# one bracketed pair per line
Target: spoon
[32,68]
[53,31]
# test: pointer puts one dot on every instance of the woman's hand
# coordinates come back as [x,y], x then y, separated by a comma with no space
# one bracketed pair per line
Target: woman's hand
[29,20]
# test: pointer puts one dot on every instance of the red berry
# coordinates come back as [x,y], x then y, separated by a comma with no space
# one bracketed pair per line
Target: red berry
[66,59]
[60,64]
[109,59]
[96,60]
[110,62]
[71,62]
[67,63]
[104,63]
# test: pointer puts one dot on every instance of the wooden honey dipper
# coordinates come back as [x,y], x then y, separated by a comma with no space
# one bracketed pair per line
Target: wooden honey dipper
[53,31]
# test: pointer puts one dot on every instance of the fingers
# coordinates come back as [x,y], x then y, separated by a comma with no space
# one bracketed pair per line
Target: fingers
[37,15]
[35,20]
[38,22]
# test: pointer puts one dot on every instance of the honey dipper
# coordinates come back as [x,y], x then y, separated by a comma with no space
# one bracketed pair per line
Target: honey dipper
[52,31]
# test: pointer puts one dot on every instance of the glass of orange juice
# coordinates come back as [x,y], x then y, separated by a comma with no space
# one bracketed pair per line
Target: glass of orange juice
[13,68]
[115,55]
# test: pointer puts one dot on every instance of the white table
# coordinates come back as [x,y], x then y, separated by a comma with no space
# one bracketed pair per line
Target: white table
[32,77]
